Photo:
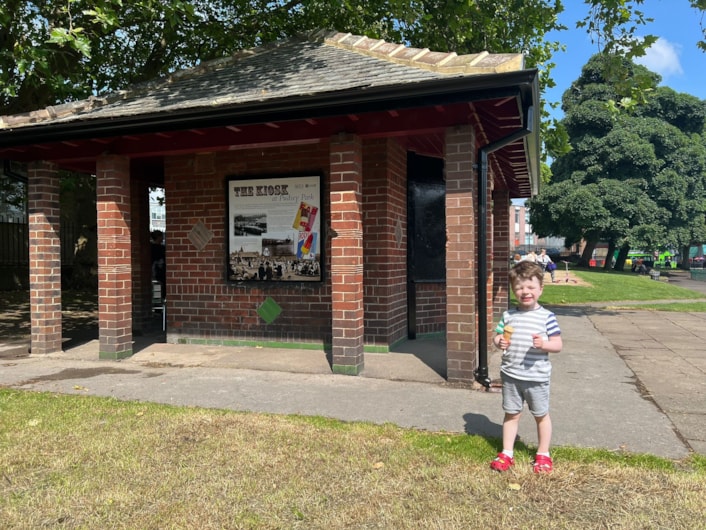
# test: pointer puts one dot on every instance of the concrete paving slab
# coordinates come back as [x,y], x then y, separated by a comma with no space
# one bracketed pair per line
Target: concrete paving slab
[670,377]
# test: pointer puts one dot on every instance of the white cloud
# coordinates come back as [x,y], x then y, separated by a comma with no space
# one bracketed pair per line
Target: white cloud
[663,58]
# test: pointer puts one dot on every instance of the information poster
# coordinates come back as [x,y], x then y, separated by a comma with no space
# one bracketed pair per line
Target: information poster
[274,229]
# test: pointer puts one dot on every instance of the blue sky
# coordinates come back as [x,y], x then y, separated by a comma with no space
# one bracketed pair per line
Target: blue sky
[675,55]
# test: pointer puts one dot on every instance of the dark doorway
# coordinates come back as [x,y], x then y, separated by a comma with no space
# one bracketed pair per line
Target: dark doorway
[426,229]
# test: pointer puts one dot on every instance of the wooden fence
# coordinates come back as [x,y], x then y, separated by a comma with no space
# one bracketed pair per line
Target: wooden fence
[14,242]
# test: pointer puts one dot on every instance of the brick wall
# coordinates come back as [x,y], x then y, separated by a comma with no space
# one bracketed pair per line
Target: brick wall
[431,308]
[501,253]
[200,303]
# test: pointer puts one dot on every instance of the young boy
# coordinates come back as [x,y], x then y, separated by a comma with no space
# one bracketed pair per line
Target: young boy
[526,335]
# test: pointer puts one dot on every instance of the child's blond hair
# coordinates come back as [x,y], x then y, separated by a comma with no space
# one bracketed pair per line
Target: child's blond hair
[526,270]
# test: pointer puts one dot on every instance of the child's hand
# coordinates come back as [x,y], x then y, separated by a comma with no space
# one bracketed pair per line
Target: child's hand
[551,344]
[503,343]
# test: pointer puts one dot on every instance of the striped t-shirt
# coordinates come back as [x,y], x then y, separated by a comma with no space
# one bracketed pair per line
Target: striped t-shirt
[522,360]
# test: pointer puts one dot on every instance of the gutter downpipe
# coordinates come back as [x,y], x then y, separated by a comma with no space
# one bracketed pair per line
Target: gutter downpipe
[481,373]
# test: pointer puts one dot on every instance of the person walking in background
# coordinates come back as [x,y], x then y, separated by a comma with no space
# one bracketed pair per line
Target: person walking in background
[546,263]
[527,335]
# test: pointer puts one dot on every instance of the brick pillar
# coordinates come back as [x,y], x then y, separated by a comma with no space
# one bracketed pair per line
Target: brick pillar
[44,258]
[141,258]
[114,257]
[385,241]
[461,254]
[501,252]
[347,254]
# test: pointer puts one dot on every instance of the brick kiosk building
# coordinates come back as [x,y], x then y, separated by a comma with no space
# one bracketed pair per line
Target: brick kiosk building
[360,114]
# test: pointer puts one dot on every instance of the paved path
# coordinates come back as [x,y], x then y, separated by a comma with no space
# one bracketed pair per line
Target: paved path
[666,352]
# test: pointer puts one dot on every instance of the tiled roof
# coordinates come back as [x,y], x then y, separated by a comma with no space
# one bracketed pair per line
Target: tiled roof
[323,63]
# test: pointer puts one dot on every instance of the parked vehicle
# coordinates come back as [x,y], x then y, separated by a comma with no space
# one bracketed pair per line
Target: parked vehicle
[664,259]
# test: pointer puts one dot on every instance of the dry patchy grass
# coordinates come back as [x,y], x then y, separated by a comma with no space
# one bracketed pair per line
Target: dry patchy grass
[86,462]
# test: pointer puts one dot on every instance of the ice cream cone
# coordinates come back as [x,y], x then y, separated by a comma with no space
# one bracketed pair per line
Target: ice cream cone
[507,332]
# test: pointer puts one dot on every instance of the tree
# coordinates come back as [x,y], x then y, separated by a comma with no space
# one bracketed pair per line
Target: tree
[12,195]
[78,211]
[632,179]
[613,26]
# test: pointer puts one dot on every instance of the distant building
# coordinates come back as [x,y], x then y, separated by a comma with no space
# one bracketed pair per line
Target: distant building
[158,212]
[522,239]
[521,229]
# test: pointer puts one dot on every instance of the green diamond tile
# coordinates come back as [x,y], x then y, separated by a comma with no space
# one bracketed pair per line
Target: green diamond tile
[269,310]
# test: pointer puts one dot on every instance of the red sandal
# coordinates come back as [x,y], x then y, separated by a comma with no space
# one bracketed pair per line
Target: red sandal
[542,464]
[502,462]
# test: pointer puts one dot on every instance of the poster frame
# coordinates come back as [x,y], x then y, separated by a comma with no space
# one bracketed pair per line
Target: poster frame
[275,220]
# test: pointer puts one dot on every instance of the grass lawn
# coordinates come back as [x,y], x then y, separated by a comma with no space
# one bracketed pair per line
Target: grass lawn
[88,462]
[600,286]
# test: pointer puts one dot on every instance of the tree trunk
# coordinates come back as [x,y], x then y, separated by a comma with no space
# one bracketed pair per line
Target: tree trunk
[587,254]
[608,264]
[78,208]
[622,256]
[685,263]
[84,270]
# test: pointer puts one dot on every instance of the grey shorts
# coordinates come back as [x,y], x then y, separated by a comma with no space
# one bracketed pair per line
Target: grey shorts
[516,392]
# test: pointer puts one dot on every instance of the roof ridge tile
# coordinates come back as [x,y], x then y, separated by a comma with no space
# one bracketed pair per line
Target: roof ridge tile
[478,58]
[442,62]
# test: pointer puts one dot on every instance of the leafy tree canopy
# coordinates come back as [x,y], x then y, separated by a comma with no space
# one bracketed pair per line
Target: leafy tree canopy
[633,179]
